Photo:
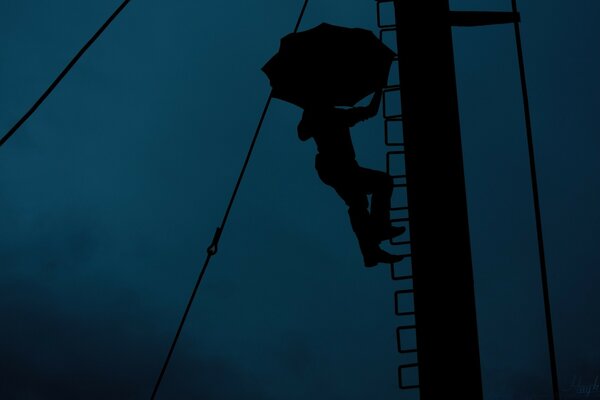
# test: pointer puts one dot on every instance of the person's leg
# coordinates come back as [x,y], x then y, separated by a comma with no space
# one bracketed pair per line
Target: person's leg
[347,183]
[344,181]
[360,220]
[380,185]
[362,225]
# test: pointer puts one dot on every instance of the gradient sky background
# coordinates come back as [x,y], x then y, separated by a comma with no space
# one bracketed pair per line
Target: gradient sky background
[111,192]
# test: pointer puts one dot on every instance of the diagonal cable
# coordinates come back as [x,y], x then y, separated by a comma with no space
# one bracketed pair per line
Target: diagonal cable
[63,73]
[212,249]
[538,216]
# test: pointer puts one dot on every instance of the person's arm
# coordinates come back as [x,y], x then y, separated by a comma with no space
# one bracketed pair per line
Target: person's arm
[358,114]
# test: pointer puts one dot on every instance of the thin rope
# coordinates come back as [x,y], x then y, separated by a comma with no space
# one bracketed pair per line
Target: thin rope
[64,72]
[212,249]
[536,203]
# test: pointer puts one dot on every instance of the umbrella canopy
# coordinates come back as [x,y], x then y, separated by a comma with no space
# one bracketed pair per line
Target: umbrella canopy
[328,64]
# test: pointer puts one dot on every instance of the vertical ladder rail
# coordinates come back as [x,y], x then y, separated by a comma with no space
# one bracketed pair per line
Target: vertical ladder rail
[397,149]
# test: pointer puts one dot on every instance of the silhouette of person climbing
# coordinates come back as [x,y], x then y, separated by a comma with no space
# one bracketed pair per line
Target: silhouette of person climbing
[337,167]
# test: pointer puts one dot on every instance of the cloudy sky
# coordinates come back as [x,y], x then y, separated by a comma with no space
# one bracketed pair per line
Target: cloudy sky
[111,192]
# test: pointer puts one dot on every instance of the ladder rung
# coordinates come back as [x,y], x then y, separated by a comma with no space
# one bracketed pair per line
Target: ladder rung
[405,313]
[401,242]
[388,163]
[400,381]
[399,184]
[393,88]
[400,208]
[399,277]
[386,130]
[379,24]
[397,294]
[395,152]
[383,26]
[384,29]
[398,341]
[394,118]
[389,131]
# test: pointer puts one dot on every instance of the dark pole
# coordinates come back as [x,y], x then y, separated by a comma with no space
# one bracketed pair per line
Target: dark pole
[444,298]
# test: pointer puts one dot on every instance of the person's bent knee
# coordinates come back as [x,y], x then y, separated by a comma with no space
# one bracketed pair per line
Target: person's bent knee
[358,203]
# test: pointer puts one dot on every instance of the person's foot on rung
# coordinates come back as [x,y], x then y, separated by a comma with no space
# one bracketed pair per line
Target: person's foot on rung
[381,256]
[391,232]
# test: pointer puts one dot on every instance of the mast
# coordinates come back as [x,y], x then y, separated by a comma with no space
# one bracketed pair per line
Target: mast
[444,298]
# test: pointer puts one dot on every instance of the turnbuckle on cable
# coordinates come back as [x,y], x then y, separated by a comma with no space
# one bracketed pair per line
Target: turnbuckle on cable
[212,249]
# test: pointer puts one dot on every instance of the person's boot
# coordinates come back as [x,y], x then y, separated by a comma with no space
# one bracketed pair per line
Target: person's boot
[371,259]
[390,232]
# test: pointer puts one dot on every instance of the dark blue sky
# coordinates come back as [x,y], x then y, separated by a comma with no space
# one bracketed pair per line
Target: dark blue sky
[111,192]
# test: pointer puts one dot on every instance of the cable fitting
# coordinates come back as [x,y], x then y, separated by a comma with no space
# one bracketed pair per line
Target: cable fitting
[212,249]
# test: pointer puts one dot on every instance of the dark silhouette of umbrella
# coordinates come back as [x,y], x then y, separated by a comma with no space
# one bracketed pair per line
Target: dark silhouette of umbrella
[328,64]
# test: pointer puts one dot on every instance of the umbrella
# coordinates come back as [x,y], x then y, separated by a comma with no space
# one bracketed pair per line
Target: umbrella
[328,64]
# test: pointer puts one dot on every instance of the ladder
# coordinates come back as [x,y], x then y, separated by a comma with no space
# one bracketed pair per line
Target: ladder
[431,22]
[403,298]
